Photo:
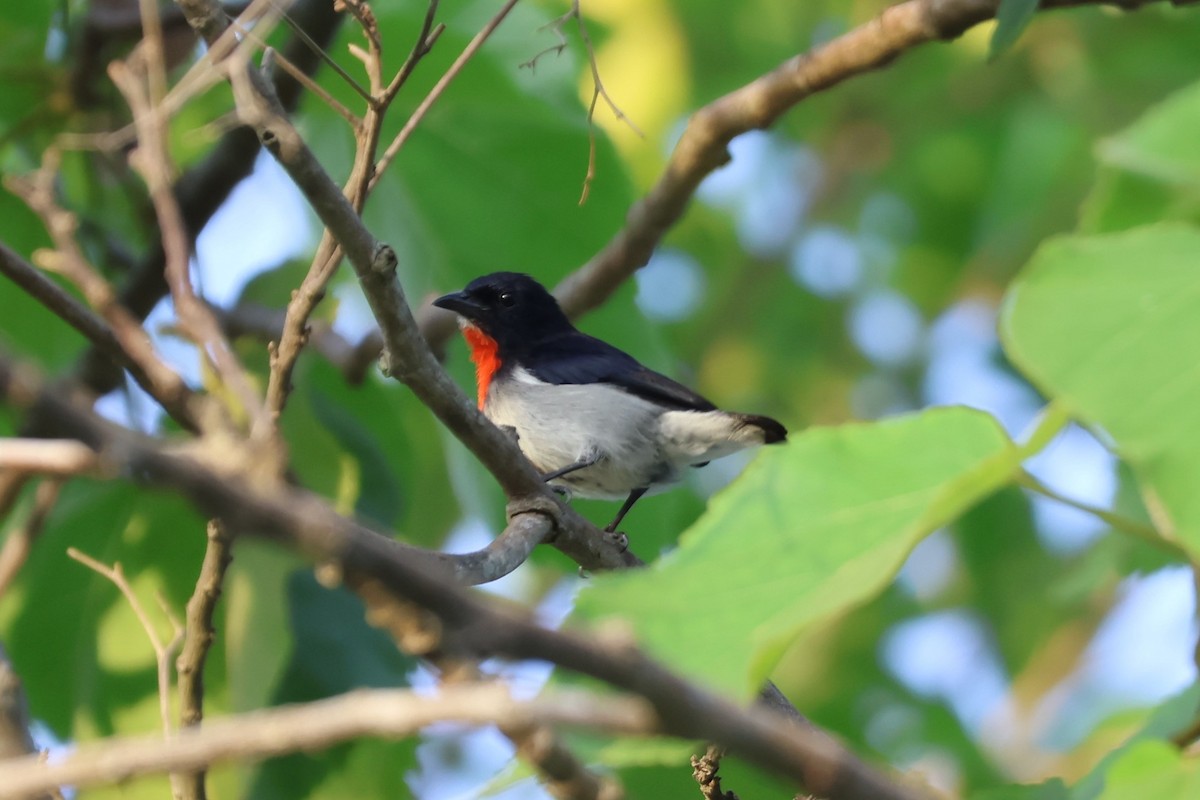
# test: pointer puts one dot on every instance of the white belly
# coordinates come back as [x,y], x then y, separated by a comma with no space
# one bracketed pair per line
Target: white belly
[636,445]
[560,425]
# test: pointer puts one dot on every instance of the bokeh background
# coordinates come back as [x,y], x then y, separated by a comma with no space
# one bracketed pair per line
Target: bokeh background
[848,264]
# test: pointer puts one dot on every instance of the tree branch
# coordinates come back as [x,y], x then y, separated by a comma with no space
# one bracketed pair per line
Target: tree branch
[388,713]
[63,304]
[205,187]
[59,457]
[20,539]
[467,626]
[408,357]
[198,638]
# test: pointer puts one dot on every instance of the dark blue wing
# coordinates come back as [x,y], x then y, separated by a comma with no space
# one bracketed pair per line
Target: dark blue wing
[579,358]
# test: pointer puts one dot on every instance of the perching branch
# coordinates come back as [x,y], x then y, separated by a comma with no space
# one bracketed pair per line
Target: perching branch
[388,713]
[409,358]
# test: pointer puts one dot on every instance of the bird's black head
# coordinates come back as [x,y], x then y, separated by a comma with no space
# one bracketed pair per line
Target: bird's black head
[510,307]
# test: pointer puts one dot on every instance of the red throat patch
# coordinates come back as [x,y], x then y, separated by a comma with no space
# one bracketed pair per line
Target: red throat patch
[486,355]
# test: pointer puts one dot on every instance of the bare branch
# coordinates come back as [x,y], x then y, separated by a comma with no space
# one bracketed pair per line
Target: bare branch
[563,774]
[703,146]
[178,403]
[198,639]
[20,539]
[163,651]
[68,259]
[390,713]
[438,90]
[153,162]
[426,38]
[202,189]
[60,457]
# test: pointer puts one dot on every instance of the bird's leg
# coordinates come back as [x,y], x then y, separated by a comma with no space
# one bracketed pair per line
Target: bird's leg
[629,501]
[588,460]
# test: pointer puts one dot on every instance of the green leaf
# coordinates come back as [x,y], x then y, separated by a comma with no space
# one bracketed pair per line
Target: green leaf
[1172,716]
[336,651]
[1150,172]
[379,493]
[1152,769]
[86,662]
[1107,326]
[810,530]
[1053,789]
[1162,144]
[1012,18]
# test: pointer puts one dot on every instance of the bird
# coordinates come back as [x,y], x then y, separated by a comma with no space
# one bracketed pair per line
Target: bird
[589,416]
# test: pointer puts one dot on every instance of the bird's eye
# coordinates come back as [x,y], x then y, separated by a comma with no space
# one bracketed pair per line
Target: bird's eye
[508,299]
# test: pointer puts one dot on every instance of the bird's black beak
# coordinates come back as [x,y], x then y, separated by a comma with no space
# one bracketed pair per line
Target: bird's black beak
[459,303]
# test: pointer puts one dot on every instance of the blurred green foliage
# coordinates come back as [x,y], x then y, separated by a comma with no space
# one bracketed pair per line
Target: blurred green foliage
[943,174]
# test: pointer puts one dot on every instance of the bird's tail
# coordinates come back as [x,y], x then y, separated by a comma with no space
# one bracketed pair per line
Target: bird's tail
[697,437]
[764,430]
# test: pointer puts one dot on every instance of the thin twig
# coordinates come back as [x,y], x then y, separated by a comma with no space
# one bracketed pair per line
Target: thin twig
[438,90]
[272,56]
[20,539]
[426,38]
[319,51]
[163,651]
[67,259]
[198,639]
[153,162]
[598,91]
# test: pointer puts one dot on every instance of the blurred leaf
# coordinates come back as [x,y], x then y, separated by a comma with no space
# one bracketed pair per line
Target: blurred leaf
[809,530]
[1106,325]
[379,496]
[96,674]
[1120,200]
[1172,715]
[1053,789]
[1150,172]
[1162,143]
[1012,17]
[1152,769]
[336,651]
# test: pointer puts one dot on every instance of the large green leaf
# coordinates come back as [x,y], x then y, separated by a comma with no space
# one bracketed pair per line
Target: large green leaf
[1153,769]
[810,530]
[335,651]
[1108,326]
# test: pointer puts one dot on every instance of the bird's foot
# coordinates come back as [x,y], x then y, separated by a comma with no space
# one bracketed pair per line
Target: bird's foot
[563,492]
[620,540]
[511,432]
